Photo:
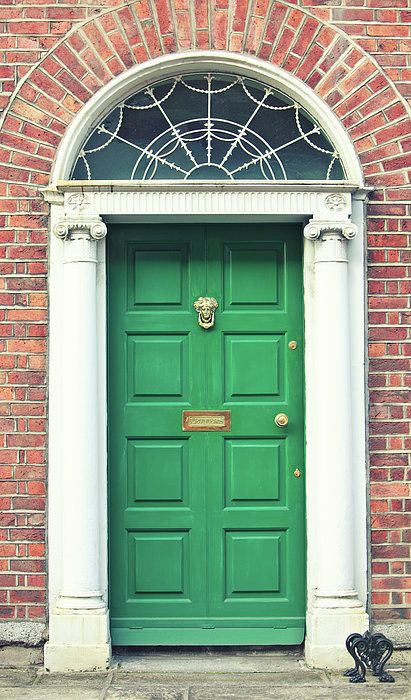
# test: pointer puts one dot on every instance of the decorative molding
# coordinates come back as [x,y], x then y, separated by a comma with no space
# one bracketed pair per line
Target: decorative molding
[52,195]
[331,237]
[92,227]
[78,202]
[335,202]
[317,229]
[83,186]
[206,200]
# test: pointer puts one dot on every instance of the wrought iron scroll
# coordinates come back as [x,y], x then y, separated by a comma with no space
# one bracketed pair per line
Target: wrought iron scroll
[369,651]
[214,126]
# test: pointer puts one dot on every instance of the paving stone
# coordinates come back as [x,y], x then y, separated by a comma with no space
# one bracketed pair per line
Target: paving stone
[301,677]
[36,693]
[17,678]
[145,692]
[297,693]
[94,680]
[20,657]
[400,679]
[224,676]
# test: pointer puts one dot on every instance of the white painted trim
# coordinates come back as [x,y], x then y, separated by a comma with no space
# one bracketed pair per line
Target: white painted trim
[203,202]
[254,206]
[261,202]
[137,77]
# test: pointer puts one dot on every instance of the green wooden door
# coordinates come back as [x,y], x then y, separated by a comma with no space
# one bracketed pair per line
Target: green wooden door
[207,529]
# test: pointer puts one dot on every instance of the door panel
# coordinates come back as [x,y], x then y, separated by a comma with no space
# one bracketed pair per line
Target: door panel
[207,528]
[252,366]
[261,485]
[252,275]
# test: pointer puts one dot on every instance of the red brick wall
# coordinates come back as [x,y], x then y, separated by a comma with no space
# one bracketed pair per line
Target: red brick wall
[355,54]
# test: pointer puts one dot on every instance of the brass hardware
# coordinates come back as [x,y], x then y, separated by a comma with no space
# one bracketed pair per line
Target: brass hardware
[281,420]
[297,473]
[207,420]
[292,344]
[205,307]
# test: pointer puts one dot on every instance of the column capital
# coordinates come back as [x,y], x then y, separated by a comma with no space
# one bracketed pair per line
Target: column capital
[316,229]
[80,228]
[90,226]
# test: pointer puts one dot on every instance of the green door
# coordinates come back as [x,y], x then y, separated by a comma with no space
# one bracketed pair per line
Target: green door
[207,528]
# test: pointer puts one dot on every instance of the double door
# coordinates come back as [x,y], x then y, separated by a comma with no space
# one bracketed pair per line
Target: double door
[207,525]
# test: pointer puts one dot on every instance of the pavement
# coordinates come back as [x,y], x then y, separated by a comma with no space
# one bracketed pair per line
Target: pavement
[205,675]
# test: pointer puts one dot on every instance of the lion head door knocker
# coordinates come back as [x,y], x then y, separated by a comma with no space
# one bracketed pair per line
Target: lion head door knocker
[205,307]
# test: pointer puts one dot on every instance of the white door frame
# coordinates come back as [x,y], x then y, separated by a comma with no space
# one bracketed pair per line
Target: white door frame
[334,365]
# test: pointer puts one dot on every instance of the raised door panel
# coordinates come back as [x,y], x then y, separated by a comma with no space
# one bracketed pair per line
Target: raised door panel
[158,276]
[157,564]
[158,367]
[253,564]
[157,472]
[252,276]
[252,366]
[254,472]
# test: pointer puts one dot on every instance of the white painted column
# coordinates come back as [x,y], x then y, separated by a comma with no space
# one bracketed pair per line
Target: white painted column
[79,633]
[334,609]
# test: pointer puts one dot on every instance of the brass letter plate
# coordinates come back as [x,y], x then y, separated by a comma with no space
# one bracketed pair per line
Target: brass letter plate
[206,420]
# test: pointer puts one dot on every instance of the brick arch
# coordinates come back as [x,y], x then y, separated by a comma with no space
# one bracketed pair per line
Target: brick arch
[339,71]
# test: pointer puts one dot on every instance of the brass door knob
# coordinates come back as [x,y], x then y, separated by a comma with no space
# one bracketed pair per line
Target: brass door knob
[281,420]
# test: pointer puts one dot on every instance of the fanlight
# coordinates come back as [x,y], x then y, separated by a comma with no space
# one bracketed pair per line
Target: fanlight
[208,127]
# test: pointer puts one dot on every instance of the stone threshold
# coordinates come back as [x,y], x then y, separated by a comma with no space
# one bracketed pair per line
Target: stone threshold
[208,659]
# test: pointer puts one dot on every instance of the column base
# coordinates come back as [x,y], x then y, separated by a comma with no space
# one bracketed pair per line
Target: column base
[79,641]
[329,622]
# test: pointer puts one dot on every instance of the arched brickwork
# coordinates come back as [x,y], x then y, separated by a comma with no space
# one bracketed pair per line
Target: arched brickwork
[338,70]
[376,116]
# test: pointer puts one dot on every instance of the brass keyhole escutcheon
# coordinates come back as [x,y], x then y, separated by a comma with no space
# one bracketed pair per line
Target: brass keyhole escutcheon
[292,344]
[281,420]
[297,473]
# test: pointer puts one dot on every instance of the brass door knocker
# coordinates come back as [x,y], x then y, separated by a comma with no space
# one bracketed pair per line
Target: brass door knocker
[205,307]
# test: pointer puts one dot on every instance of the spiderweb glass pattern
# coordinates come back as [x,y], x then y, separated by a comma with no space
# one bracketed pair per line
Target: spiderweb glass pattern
[208,127]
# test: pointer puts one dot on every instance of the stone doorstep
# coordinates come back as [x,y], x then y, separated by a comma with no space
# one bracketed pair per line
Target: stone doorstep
[209,661]
[300,685]
[290,680]
[222,674]
[180,660]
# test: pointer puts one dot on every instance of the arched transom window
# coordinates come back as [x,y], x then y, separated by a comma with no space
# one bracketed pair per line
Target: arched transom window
[208,127]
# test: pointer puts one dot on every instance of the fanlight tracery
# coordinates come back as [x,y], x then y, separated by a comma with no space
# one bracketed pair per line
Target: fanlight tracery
[208,127]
